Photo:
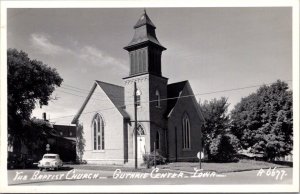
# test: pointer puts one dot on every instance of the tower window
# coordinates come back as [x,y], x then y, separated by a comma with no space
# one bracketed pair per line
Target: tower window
[139,62]
[132,63]
[157,98]
[144,61]
[138,98]
[186,135]
[98,128]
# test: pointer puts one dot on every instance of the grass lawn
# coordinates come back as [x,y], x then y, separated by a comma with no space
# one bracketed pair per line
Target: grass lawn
[242,165]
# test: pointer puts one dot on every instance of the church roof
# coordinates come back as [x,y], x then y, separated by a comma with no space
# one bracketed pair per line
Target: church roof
[146,35]
[116,94]
[174,91]
[144,19]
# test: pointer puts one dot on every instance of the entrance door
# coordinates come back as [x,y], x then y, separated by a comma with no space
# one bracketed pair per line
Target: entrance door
[141,149]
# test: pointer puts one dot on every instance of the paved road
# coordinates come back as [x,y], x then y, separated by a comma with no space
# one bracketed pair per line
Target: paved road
[157,177]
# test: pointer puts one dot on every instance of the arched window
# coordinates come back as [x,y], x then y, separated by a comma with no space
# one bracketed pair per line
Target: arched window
[157,98]
[98,129]
[138,98]
[157,140]
[140,130]
[186,135]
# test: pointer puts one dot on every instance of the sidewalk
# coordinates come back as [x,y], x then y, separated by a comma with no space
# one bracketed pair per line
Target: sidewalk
[108,167]
[242,165]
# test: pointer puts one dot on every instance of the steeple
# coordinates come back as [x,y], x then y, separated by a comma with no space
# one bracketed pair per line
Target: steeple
[144,48]
[144,20]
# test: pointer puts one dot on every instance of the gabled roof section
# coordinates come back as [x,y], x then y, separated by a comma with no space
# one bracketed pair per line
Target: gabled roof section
[116,94]
[74,121]
[174,91]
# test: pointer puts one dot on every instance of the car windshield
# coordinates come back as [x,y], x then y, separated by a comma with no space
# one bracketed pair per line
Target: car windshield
[49,156]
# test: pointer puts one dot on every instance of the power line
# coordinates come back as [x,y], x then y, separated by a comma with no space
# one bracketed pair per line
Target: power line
[199,94]
[81,96]
[72,88]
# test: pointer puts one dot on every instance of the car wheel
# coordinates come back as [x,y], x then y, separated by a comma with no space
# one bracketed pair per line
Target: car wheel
[41,169]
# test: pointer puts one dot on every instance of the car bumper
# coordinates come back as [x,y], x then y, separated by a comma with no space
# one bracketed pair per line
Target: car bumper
[48,166]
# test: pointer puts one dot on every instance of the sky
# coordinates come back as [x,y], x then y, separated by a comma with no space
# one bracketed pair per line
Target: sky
[216,49]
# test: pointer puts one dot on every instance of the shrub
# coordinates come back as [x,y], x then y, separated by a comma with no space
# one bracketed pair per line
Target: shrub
[224,148]
[149,159]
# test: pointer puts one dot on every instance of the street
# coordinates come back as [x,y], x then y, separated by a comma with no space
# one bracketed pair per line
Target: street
[74,176]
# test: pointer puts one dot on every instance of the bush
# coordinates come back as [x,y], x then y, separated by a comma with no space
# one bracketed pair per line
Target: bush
[149,159]
[224,148]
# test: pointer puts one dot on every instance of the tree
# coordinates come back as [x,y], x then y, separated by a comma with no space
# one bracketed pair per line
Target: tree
[30,82]
[263,121]
[224,148]
[37,130]
[216,120]
[80,142]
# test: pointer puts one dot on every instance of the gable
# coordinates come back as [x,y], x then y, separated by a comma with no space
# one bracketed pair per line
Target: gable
[182,90]
[173,92]
[74,121]
[114,93]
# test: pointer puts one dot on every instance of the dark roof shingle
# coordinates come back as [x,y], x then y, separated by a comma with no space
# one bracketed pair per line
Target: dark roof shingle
[174,90]
[144,19]
[116,94]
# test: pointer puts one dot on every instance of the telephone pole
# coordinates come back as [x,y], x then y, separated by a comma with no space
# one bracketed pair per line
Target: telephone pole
[135,125]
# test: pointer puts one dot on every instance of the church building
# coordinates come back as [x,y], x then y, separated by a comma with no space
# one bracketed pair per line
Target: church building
[167,114]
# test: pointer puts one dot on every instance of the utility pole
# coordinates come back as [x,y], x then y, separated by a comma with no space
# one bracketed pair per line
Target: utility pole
[201,148]
[135,125]
[201,137]
[154,155]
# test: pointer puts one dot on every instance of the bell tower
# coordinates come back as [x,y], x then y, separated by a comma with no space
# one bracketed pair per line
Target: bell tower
[145,52]
[144,49]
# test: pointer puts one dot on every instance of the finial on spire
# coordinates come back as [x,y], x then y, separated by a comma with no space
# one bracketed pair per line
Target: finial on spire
[145,11]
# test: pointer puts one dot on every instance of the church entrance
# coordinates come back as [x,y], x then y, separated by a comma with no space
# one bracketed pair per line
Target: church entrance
[141,146]
[141,142]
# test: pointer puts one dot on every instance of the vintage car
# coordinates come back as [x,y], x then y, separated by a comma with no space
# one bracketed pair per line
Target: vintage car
[50,161]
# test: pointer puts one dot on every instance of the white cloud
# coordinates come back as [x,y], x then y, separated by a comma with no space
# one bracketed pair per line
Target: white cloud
[43,44]
[97,57]
[89,55]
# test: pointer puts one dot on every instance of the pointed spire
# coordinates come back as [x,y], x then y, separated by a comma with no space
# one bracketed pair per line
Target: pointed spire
[144,32]
[144,20]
